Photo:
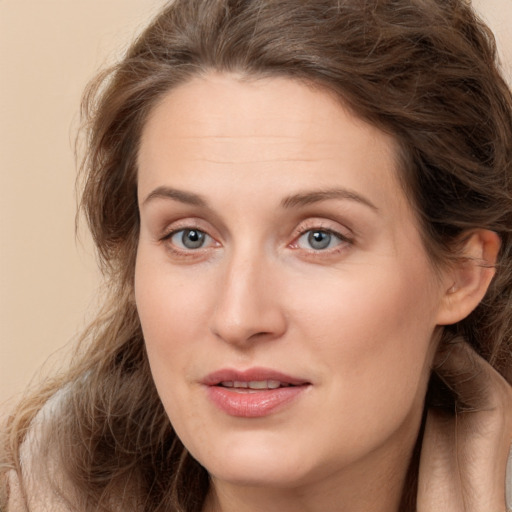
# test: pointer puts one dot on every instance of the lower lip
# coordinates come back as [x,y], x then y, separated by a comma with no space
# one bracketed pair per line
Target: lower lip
[253,403]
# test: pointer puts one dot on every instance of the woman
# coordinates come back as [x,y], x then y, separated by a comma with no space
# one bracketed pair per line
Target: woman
[303,210]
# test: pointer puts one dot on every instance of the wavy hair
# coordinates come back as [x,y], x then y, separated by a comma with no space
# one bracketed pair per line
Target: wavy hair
[424,71]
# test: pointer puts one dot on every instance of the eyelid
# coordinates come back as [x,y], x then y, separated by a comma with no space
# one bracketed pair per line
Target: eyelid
[345,236]
[192,223]
[208,238]
[342,240]
[320,224]
[185,253]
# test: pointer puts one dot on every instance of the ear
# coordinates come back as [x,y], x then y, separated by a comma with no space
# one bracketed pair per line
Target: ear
[466,281]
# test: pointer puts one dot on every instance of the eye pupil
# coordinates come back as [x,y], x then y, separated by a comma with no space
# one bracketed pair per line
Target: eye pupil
[319,239]
[192,238]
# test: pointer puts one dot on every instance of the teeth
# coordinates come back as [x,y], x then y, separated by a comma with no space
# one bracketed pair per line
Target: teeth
[253,384]
[258,384]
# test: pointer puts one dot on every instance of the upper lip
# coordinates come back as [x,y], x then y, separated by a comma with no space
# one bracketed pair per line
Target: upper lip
[251,375]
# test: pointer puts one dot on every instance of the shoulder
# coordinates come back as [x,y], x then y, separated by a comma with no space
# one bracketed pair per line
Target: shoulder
[16,502]
[42,481]
[24,495]
[31,488]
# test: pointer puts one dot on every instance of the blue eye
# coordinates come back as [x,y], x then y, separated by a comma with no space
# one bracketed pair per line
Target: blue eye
[318,240]
[189,238]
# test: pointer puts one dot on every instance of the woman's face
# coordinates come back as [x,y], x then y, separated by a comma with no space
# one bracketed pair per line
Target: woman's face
[287,302]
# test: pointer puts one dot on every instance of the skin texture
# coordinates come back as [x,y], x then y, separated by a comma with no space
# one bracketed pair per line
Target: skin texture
[358,320]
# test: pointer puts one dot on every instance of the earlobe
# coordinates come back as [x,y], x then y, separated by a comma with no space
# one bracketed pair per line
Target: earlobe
[468,280]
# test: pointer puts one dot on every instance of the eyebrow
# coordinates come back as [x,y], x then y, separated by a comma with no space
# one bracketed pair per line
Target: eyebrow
[293,201]
[306,198]
[177,195]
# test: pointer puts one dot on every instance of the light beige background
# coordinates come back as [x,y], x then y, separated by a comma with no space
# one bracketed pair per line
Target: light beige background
[49,49]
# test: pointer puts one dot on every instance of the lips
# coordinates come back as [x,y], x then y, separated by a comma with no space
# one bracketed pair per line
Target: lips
[252,393]
[253,384]
[252,375]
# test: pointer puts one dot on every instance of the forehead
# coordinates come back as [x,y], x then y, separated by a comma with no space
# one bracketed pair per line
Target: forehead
[273,129]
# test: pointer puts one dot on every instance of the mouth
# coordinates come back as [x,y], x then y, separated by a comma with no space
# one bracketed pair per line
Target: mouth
[253,385]
[253,379]
[253,393]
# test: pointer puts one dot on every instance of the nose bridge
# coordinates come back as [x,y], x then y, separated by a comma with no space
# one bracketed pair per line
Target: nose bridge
[247,306]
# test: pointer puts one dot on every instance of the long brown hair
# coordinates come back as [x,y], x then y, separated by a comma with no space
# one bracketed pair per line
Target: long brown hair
[423,70]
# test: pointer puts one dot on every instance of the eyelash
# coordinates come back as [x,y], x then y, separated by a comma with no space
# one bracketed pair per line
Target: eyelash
[328,232]
[184,253]
[344,241]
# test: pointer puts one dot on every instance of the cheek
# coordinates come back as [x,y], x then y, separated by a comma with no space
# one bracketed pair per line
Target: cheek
[375,334]
[171,305]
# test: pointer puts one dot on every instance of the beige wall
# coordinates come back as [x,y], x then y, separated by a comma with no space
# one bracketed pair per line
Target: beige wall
[48,51]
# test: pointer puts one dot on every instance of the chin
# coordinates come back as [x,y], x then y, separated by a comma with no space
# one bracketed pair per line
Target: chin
[256,465]
[272,475]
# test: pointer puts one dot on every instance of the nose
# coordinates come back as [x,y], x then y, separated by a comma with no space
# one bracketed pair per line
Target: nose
[248,306]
